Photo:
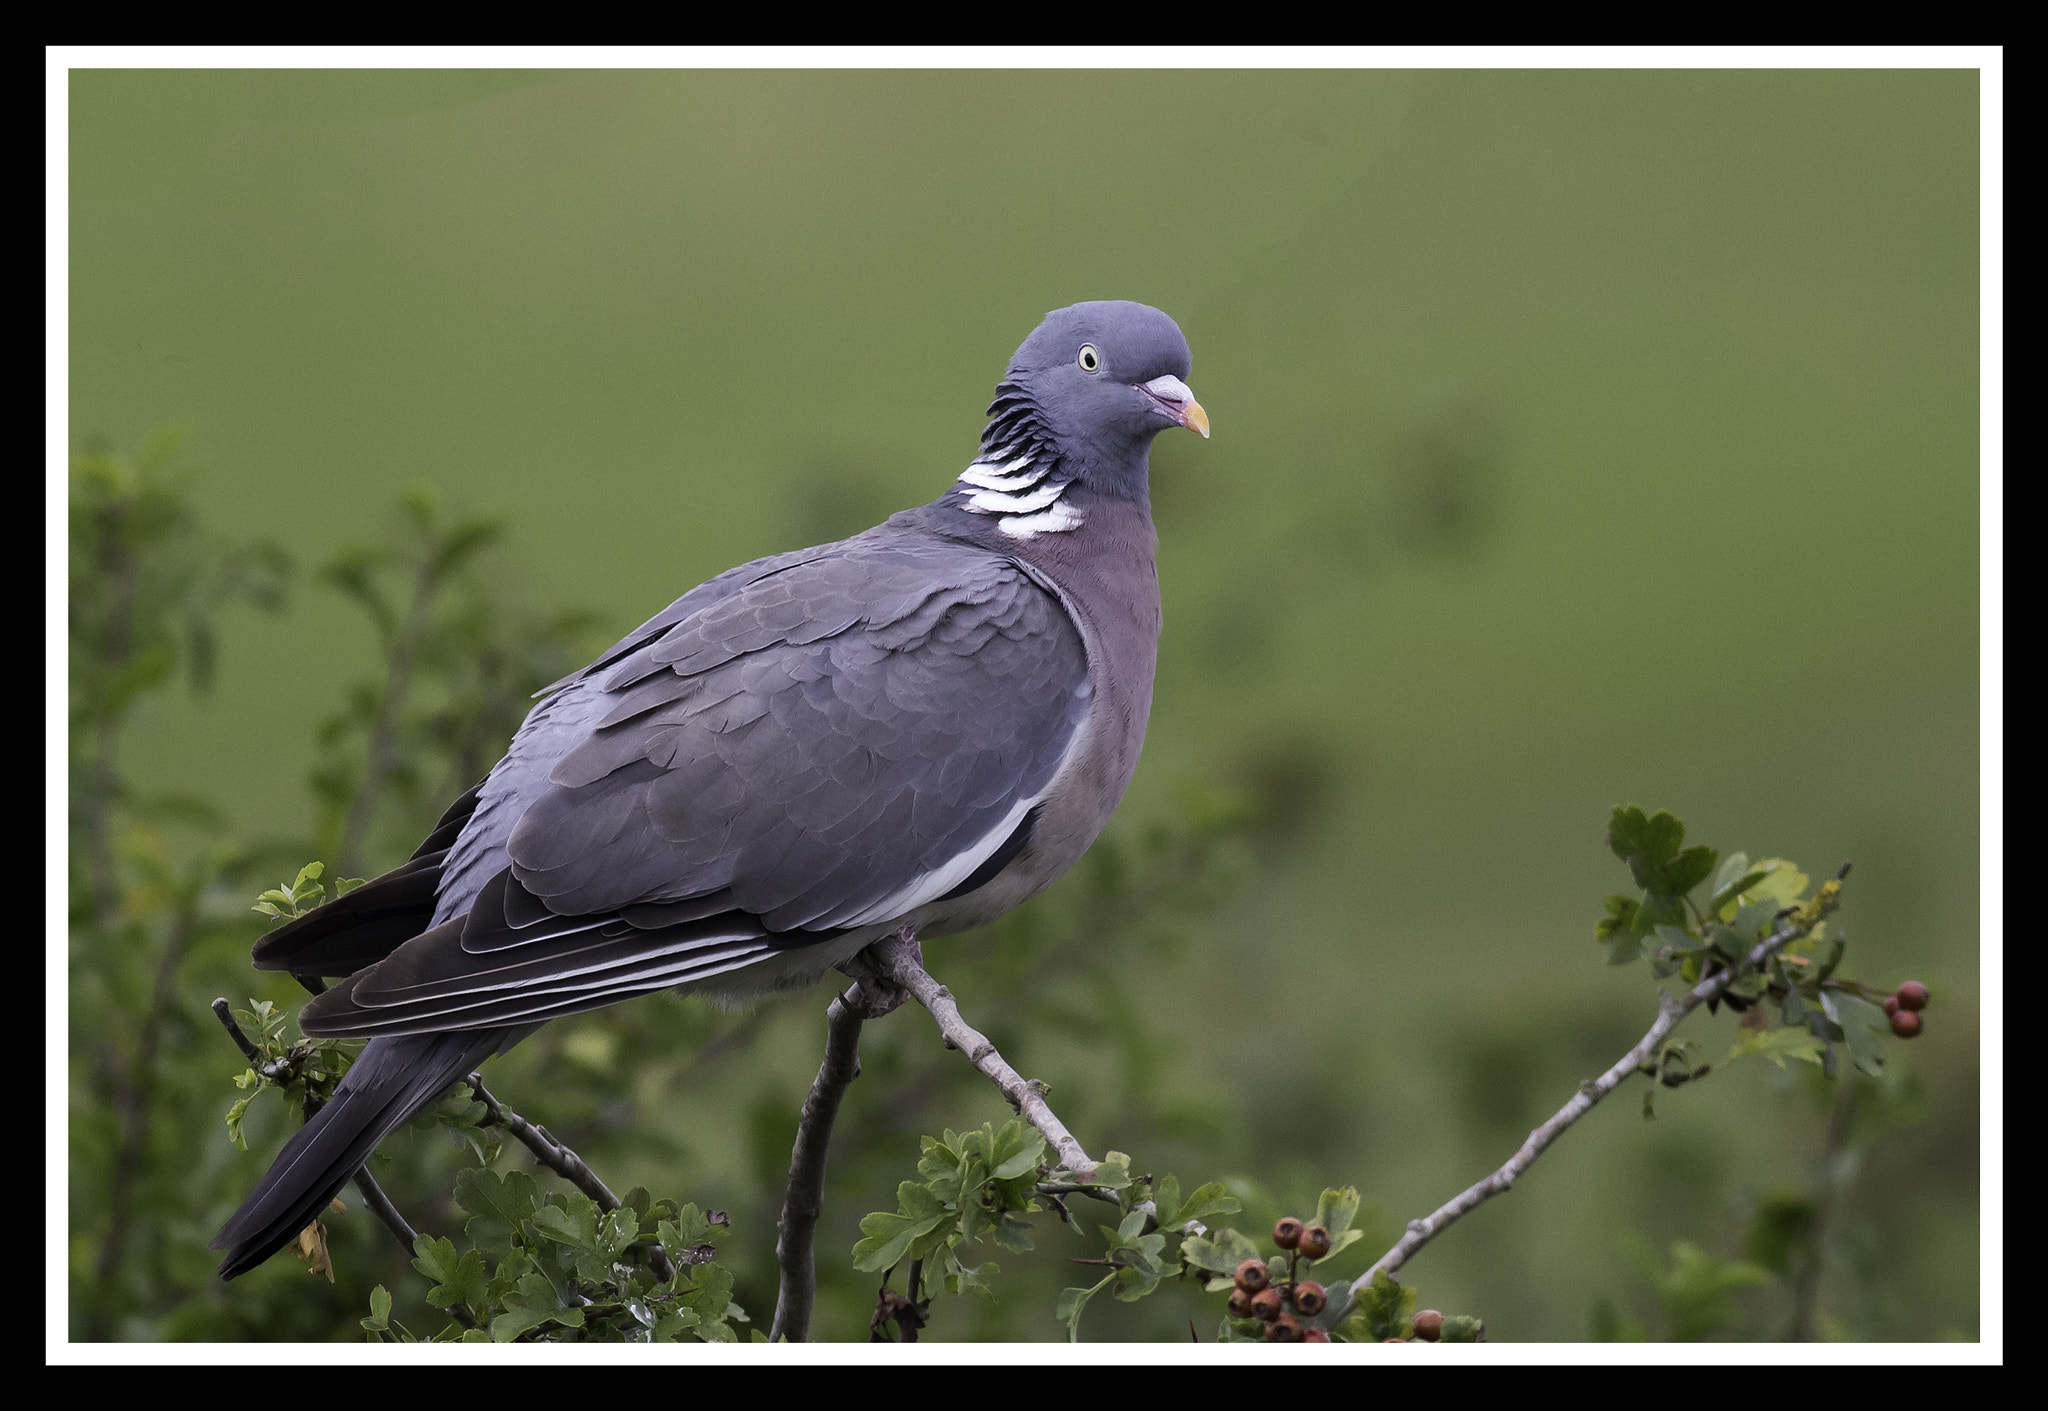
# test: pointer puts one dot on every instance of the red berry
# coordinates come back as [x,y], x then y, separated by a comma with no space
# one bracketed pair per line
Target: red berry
[1240,1304]
[1266,1305]
[1913,995]
[1429,1325]
[1285,1328]
[1315,1335]
[1310,1298]
[1315,1242]
[1891,1004]
[1253,1275]
[1287,1231]
[1906,1023]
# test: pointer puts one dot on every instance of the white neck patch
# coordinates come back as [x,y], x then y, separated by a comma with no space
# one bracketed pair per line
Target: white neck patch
[1022,492]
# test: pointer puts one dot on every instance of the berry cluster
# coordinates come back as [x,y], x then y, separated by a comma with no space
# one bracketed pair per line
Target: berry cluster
[1904,1007]
[1278,1304]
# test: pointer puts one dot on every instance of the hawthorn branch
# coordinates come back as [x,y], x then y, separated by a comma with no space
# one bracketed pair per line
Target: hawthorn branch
[1638,1059]
[804,1200]
[558,1158]
[899,961]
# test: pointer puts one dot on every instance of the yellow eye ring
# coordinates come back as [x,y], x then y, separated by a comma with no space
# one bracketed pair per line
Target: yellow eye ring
[1090,360]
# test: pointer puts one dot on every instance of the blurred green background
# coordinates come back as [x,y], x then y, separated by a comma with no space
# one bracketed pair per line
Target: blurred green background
[1580,438]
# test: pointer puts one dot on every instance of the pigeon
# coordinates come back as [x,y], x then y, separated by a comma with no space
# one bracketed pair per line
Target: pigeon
[908,732]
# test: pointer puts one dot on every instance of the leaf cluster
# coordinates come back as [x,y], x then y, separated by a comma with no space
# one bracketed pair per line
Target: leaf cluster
[557,1268]
[1739,905]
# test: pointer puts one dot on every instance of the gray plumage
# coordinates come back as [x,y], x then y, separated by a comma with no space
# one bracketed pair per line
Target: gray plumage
[917,728]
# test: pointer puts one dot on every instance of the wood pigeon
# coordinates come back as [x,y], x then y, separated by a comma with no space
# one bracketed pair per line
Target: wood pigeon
[912,730]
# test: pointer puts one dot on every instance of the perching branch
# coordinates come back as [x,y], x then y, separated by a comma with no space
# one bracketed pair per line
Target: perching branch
[1669,1013]
[900,961]
[805,1199]
[884,974]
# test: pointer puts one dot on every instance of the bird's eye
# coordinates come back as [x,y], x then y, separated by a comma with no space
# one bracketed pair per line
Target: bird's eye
[1090,360]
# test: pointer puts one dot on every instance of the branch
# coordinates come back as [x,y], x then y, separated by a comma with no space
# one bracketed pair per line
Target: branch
[560,1159]
[805,1199]
[899,960]
[1669,1012]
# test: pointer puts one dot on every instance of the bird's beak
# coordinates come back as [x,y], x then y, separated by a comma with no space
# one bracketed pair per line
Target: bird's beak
[1178,402]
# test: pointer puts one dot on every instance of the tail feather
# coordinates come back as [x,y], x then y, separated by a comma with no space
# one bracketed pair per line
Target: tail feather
[390,1081]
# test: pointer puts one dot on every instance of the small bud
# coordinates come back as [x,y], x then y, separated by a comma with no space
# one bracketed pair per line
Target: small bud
[1266,1305]
[1315,1335]
[1310,1298]
[1315,1242]
[1287,1231]
[1285,1328]
[1253,1275]
[1906,1023]
[1240,1304]
[1891,1004]
[1913,995]
[1429,1325]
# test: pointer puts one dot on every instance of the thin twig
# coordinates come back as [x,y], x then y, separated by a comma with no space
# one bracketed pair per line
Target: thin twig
[1669,1012]
[899,960]
[379,1205]
[558,1158]
[805,1199]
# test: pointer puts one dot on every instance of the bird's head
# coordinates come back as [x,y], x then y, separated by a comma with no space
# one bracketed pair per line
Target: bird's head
[1098,380]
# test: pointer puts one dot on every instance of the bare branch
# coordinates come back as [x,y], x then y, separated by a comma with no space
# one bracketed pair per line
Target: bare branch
[805,1199]
[900,961]
[1669,1012]
[379,1205]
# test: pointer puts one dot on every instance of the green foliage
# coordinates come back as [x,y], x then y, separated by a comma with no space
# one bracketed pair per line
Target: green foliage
[1746,904]
[557,1268]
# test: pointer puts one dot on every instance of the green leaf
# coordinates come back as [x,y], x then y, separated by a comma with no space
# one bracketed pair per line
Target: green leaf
[1681,941]
[1071,1303]
[1114,1173]
[1387,1308]
[462,1285]
[1783,883]
[1335,1210]
[1778,1045]
[1689,868]
[1620,919]
[575,1226]
[380,1310]
[1219,1252]
[1208,1200]
[1645,844]
[1864,1027]
[497,1205]
[1461,1327]
[1166,1202]
[1027,1150]
[889,1236]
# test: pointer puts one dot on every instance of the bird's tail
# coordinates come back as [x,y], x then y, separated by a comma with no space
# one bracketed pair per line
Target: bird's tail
[390,1081]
